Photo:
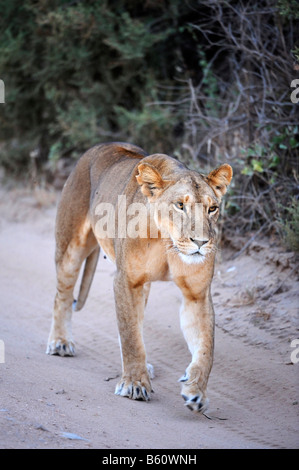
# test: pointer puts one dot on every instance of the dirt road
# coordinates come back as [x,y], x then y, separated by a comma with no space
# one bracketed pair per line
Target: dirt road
[55,402]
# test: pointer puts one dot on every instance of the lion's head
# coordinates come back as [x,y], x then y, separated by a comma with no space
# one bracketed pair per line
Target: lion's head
[185,205]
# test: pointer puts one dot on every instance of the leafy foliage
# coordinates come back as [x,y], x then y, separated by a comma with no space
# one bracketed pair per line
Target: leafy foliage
[81,72]
[289,225]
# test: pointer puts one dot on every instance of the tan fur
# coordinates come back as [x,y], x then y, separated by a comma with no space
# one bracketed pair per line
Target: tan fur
[101,175]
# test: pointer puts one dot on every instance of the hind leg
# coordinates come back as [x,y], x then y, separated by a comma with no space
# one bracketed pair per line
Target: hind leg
[67,267]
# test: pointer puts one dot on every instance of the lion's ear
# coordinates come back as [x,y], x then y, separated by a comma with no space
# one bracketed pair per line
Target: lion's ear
[150,180]
[220,178]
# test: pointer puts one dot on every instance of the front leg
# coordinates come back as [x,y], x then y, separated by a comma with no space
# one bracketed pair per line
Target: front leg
[197,323]
[135,382]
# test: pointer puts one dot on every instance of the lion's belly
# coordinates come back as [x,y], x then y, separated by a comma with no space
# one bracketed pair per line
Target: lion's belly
[106,245]
[147,262]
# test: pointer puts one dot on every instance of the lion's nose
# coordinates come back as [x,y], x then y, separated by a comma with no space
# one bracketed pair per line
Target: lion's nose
[199,243]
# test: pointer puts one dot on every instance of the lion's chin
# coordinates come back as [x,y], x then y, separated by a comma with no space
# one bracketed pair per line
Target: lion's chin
[195,258]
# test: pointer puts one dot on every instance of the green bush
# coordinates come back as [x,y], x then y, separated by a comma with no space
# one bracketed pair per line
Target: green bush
[289,225]
[77,73]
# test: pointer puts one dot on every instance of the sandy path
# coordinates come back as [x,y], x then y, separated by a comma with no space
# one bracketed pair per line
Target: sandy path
[252,390]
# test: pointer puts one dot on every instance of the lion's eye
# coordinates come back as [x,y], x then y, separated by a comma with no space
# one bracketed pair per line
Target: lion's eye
[213,209]
[179,205]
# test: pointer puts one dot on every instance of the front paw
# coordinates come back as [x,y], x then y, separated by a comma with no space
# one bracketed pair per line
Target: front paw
[195,398]
[61,347]
[134,389]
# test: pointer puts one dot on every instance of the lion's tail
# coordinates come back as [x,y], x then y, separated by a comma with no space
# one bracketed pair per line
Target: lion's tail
[87,277]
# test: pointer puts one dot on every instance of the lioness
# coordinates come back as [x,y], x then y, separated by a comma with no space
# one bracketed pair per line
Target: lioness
[102,174]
